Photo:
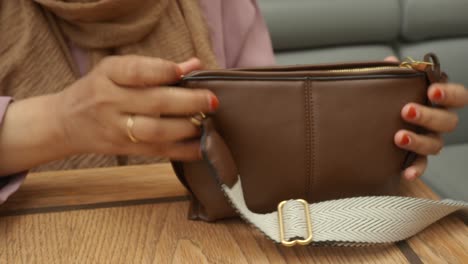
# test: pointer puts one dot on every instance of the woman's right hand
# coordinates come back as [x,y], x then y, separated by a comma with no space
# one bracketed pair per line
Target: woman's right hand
[91,115]
[94,111]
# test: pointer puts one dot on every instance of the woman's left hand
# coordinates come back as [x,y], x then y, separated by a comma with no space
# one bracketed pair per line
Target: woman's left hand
[438,120]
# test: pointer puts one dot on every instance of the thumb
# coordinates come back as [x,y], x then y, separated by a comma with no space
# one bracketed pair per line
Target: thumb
[190,65]
[391,59]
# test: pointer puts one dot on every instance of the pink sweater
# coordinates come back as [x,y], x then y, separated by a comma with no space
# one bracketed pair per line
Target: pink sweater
[239,37]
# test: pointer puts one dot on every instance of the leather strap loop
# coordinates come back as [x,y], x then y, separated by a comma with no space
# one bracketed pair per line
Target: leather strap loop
[434,73]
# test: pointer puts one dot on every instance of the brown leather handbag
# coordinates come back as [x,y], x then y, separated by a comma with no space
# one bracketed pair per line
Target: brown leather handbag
[317,133]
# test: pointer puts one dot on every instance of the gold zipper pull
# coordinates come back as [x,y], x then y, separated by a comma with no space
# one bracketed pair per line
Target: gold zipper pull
[410,63]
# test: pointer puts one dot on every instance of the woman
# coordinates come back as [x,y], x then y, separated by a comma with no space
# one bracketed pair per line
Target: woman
[74,98]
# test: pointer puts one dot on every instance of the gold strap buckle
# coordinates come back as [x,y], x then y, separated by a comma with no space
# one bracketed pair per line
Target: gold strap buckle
[303,242]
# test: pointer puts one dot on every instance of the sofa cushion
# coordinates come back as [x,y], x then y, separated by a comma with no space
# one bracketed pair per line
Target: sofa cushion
[427,19]
[335,54]
[453,55]
[315,23]
[447,173]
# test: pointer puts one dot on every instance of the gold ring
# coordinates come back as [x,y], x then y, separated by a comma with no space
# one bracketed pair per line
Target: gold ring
[130,123]
[197,119]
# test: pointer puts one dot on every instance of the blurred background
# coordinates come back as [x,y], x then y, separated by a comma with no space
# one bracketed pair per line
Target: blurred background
[326,31]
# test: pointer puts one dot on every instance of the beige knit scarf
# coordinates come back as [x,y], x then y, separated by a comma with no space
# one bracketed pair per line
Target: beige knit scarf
[35,58]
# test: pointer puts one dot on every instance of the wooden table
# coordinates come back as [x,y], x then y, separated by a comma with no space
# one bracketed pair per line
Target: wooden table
[138,215]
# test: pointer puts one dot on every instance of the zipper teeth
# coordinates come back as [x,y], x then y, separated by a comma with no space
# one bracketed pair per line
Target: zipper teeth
[234,77]
[348,70]
[365,69]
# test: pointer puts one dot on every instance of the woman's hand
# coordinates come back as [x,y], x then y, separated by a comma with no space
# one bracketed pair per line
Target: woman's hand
[91,115]
[437,120]
[94,111]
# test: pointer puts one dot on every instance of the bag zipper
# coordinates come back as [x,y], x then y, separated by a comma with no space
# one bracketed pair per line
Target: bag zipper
[408,63]
[413,66]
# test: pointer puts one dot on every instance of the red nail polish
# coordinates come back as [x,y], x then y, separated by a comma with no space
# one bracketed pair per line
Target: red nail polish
[438,95]
[405,140]
[412,113]
[214,103]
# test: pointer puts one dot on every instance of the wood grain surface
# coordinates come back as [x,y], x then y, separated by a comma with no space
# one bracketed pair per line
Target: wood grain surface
[80,188]
[444,242]
[138,215]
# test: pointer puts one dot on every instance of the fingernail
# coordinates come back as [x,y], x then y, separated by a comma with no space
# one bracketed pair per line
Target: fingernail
[438,95]
[192,59]
[412,113]
[187,65]
[214,103]
[179,71]
[405,140]
[412,174]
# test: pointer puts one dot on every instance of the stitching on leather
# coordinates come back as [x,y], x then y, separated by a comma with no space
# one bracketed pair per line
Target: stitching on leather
[313,138]
[307,137]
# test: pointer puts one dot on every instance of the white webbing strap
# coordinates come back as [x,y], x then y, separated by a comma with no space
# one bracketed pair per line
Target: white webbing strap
[351,221]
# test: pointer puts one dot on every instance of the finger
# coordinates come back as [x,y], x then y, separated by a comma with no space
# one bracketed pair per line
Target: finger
[420,144]
[185,151]
[449,95]
[190,65]
[160,130]
[139,71]
[167,101]
[391,59]
[416,169]
[434,119]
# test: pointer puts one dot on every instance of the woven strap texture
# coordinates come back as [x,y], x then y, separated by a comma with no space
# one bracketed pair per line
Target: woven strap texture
[347,222]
